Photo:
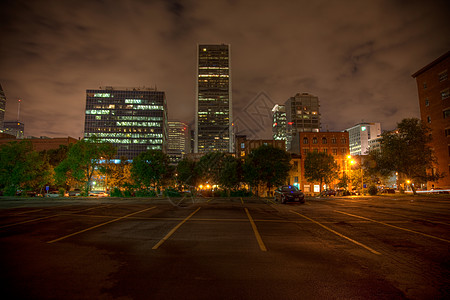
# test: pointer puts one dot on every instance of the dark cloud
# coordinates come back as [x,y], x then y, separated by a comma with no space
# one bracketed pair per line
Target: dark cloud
[356,56]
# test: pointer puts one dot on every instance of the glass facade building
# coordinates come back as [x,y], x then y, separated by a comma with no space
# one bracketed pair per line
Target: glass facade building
[14,128]
[213,118]
[178,141]
[133,119]
[279,124]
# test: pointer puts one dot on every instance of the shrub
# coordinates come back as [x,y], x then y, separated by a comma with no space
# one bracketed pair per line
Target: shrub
[145,193]
[170,192]
[116,193]
[372,190]
[61,191]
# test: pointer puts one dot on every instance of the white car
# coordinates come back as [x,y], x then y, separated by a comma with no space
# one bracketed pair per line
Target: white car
[98,194]
[54,194]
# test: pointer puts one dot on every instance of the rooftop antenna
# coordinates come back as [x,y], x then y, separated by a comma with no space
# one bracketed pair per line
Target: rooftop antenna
[18,110]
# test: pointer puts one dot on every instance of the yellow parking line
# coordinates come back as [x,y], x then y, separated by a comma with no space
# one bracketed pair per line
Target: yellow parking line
[29,211]
[173,230]
[96,226]
[255,230]
[242,201]
[339,234]
[393,226]
[29,221]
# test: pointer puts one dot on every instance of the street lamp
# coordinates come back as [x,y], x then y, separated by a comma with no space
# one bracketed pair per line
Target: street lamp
[352,162]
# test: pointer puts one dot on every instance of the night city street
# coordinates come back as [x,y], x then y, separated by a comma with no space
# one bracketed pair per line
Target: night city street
[389,247]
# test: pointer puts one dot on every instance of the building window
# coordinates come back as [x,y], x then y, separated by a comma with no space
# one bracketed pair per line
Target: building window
[443,76]
[324,140]
[445,94]
[428,119]
[446,113]
[242,145]
[424,85]
[325,150]
[427,102]
[447,132]
[296,179]
[343,151]
[314,140]
[343,140]
[305,152]
[305,140]
[333,140]
[334,151]
[315,150]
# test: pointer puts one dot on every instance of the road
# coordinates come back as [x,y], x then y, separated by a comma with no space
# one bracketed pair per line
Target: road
[226,248]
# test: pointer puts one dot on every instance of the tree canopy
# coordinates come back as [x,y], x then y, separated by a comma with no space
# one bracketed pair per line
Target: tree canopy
[267,165]
[321,167]
[407,151]
[83,159]
[150,168]
[22,168]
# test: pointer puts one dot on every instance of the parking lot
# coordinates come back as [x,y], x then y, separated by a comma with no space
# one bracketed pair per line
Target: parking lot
[388,247]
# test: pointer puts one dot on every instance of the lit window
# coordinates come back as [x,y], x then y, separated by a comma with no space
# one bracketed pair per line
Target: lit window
[445,94]
[443,76]
[314,140]
[305,140]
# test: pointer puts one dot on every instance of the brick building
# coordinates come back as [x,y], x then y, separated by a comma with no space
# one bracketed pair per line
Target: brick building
[243,147]
[433,88]
[334,143]
[41,143]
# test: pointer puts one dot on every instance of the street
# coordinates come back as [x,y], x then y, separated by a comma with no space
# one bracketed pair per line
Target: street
[389,247]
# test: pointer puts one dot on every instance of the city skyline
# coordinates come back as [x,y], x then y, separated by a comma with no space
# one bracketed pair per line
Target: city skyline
[356,57]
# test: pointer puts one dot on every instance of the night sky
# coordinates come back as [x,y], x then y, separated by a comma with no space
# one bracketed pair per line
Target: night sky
[356,56]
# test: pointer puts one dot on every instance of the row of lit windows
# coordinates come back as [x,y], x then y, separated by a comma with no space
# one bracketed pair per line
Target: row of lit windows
[139,124]
[132,141]
[334,151]
[125,135]
[324,140]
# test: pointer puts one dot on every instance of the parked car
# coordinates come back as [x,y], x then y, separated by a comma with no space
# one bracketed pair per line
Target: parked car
[287,193]
[98,194]
[328,193]
[54,194]
[75,192]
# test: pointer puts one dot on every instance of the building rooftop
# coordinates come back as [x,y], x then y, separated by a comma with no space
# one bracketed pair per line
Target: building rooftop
[430,65]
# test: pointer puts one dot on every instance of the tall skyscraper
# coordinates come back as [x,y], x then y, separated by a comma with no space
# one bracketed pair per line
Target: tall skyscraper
[133,119]
[213,118]
[360,135]
[279,125]
[178,142]
[2,106]
[433,87]
[302,114]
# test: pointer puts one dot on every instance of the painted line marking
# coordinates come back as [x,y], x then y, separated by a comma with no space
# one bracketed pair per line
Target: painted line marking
[96,226]
[26,212]
[270,200]
[29,221]
[255,230]
[242,201]
[173,230]
[47,217]
[339,234]
[393,226]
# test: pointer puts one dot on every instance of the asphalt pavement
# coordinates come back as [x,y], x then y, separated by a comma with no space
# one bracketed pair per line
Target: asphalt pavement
[390,247]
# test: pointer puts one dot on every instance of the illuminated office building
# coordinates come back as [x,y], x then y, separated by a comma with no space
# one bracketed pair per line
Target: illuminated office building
[133,119]
[178,142]
[213,118]
[279,124]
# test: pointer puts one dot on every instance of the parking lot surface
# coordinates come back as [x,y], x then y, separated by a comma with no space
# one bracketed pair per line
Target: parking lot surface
[225,248]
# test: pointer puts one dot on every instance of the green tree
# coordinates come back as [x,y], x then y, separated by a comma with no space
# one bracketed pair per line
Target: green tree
[22,168]
[83,159]
[407,151]
[267,165]
[210,167]
[321,167]
[231,174]
[119,175]
[187,171]
[150,168]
